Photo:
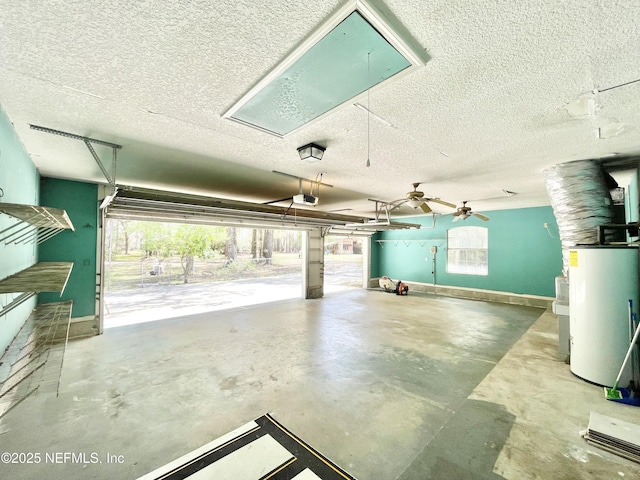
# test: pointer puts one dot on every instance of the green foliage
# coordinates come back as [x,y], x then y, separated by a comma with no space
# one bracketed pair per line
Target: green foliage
[192,241]
[127,272]
[166,239]
[155,237]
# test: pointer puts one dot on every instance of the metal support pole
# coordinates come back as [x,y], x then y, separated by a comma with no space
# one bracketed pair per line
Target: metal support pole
[21,239]
[48,235]
[17,232]
[99,162]
[88,142]
[11,227]
[72,135]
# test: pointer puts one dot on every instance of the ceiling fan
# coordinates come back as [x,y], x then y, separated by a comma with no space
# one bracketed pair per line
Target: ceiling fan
[465,212]
[417,199]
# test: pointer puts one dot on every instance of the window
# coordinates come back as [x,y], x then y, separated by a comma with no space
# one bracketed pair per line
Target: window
[467,251]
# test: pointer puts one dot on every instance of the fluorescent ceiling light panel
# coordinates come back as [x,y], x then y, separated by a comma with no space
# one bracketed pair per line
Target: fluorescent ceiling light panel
[346,57]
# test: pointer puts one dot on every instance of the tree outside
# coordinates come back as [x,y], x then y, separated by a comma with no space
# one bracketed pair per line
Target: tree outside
[197,268]
[145,253]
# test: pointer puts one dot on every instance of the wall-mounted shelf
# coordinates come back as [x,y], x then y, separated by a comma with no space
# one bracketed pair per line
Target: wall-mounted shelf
[33,361]
[34,224]
[41,277]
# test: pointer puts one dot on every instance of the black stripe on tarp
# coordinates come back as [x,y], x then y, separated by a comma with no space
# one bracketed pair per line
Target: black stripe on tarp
[183,471]
[307,456]
[291,465]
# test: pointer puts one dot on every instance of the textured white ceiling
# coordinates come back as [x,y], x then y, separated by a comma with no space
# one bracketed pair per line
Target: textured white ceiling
[156,77]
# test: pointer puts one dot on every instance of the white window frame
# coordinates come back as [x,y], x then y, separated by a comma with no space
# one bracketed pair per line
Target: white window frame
[468,250]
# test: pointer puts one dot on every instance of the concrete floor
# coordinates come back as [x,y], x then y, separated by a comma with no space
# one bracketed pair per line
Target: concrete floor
[388,387]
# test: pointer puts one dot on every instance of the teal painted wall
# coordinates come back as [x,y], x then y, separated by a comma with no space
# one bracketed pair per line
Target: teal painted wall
[19,181]
[524,257]
[80,200]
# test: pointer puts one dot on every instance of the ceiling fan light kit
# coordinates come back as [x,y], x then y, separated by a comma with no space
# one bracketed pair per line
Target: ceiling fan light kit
[414,202]
[416,199]
[465,212]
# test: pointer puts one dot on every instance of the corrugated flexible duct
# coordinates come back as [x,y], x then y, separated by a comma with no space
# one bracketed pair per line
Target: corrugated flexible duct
[581,202]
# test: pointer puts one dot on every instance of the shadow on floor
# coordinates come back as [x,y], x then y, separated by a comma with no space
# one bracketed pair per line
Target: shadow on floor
[161,302]
[467,446]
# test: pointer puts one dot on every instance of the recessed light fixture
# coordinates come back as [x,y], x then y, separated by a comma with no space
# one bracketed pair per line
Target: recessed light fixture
[354,51]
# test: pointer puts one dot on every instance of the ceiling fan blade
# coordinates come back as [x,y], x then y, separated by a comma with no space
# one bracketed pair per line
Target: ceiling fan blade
[481,217]
[441,202]
[425,208]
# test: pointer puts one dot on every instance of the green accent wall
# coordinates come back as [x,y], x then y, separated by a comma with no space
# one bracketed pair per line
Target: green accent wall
[524,257]
[80,200]
[19,181]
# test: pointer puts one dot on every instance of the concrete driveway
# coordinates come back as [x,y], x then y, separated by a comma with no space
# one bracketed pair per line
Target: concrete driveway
[157,302]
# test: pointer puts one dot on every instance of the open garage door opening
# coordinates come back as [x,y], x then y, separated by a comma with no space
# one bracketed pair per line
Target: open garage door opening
[343,262]
[158,270]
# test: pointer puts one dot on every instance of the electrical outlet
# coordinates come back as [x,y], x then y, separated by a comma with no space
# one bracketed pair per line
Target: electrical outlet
[546,225]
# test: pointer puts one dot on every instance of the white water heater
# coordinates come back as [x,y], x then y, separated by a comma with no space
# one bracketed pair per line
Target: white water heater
[602,280]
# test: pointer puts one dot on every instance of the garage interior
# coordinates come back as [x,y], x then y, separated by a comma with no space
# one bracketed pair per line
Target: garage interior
[484,153]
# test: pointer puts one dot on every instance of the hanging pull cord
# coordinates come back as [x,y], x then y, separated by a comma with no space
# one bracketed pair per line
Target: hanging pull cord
[317,183]
[368,109]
